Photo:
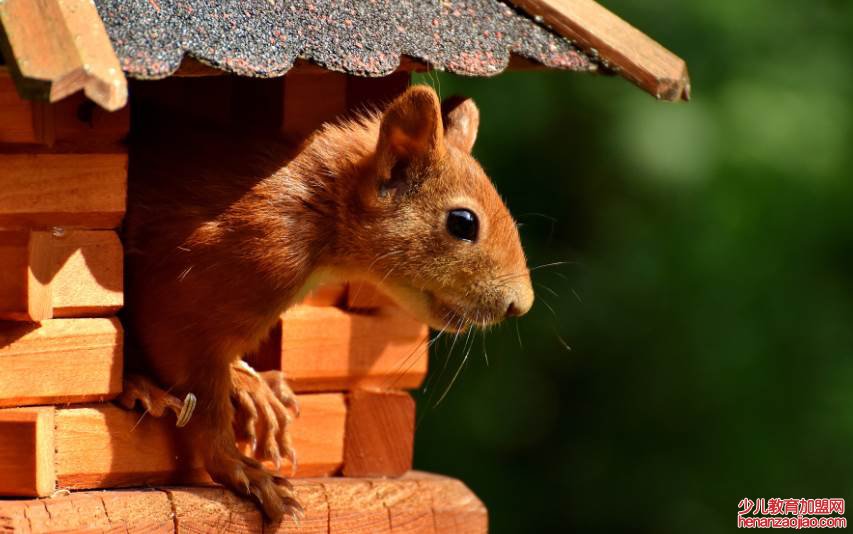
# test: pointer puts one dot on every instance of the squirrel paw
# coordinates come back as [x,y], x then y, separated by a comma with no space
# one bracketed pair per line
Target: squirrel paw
[247,477]
[154,400]
[264,403]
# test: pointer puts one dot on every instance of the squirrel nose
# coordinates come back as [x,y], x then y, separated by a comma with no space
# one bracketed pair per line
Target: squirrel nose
[519,305]
[513,310]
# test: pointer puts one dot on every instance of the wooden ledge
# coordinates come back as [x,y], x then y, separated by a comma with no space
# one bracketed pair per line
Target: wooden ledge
[417,502]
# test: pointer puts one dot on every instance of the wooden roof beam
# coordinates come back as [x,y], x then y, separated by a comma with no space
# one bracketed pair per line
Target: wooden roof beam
[616,43]
[57,47]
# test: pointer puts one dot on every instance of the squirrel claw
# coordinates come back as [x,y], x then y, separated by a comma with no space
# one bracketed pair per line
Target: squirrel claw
[155,400]
[187,410]
[265,407]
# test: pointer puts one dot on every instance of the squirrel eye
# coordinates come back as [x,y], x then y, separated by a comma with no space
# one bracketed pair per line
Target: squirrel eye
[463,224]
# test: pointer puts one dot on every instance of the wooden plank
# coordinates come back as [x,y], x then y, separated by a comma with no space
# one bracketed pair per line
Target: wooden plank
[14,279]
[213,510]
[58,47]
[16,114]
[355,508]
[327,295]
[104,446]
[79,124]
[364,296]
[409,508]
[375,93]
[60,361]
[70,190]
[455,508]
[310,99]
[75,273]
[380,433]
[312,496]
[89,273]
[328,349]
[331,505]
[40,265]
[139,511]
[621,46]
[75,124]
[26,452]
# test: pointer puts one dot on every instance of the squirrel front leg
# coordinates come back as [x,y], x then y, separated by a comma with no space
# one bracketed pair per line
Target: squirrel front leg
[211,433]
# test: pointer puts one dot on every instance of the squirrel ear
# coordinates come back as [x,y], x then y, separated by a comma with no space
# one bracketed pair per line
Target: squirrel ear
[461,121]
[411,126]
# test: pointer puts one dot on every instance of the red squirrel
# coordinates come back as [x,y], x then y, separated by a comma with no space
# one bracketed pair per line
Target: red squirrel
[223,235]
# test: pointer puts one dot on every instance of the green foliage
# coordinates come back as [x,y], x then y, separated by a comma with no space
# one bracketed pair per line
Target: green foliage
[708,301]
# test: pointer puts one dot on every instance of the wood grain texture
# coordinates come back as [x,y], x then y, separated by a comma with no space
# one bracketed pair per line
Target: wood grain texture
[26,452]
[125,512]
[75,273]
[60,361]
[104,446]
[67,190]
[621,46]
[213,510]
[380,433]
[328,349]
[332,505]
[455,509]
[355,507]
[59,47]
[409,508]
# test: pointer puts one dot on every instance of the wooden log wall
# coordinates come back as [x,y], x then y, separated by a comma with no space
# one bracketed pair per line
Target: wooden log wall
[415,503]
[346,350]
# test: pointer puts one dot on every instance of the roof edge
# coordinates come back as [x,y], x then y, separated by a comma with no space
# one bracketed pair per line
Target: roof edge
[617,44]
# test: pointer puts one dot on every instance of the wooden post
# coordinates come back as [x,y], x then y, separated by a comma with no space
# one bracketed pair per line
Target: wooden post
[26,452]
[380,433]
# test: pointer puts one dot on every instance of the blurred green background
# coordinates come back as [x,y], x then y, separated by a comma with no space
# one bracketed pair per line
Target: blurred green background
[708,302]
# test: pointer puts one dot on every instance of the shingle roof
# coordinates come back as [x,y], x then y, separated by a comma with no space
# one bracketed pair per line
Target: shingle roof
[265,37]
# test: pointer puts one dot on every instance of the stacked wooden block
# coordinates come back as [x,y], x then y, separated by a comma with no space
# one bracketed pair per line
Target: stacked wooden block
[63,171]
[340,361]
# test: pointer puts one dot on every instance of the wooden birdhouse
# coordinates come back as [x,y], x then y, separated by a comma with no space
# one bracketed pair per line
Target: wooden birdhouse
[65,117]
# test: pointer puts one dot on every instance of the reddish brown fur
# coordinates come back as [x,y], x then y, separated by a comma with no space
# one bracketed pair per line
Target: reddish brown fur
[223,235]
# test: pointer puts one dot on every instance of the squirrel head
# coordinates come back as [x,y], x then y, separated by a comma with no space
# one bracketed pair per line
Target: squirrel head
[428,227]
